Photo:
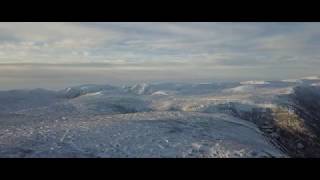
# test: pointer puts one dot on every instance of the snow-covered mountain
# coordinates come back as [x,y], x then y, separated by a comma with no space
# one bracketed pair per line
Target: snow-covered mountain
[311,78]
[147,120]
[254,82]
[73,92]
[178,88]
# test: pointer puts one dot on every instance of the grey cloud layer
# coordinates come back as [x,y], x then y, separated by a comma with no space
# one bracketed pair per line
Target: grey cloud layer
[221,43]
[231,49]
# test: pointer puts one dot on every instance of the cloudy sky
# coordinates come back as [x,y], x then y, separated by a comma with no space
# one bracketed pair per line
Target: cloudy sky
[57,54]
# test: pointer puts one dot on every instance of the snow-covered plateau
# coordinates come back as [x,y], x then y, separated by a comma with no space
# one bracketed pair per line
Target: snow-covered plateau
[231,119]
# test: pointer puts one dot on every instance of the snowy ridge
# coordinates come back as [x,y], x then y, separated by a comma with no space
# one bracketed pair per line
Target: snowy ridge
[311,78]
[94,94]
[254,82]
[241,89]
[137,88]
[160,93]
[292,80]
[315,84]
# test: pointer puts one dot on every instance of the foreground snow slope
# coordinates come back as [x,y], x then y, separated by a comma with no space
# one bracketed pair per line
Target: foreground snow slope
[151,134]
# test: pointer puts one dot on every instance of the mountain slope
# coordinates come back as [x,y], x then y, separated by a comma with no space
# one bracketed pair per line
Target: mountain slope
[154,134]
